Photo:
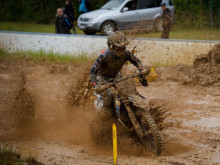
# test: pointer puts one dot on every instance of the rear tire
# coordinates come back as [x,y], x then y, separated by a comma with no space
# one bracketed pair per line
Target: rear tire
[153,138]
[107,28]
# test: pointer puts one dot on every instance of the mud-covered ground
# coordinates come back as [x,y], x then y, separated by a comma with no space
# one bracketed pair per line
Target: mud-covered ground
[38,116]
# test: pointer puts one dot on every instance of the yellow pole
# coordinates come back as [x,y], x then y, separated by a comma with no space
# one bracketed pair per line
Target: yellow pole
[114,138]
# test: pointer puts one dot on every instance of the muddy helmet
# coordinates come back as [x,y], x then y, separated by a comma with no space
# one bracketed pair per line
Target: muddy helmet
[119,40]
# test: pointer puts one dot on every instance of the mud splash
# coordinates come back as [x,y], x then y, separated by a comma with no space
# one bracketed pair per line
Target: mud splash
[160,111]
[101,132]
[24,105]
[61,133]
[82,91]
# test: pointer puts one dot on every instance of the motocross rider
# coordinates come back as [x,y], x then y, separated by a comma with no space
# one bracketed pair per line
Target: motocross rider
[108,66]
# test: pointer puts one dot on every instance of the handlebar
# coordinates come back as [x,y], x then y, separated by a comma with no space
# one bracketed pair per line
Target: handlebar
[105,85]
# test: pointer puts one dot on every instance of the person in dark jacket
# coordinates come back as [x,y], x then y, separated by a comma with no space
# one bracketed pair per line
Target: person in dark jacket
[167,21]
[62,24]
[84,6]
[108,66]
[69,11]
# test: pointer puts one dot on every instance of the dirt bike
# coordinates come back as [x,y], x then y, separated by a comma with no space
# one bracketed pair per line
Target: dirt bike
[131,110]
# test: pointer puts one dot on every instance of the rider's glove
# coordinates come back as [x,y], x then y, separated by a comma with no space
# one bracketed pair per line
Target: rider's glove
[143,81]
[142,78]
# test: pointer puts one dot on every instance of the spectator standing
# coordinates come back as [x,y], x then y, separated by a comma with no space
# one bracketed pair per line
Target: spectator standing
[84,6]
[70,12]
[62,24]
[167,20]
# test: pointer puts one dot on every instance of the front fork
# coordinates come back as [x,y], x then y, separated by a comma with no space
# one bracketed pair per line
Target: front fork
[134,122]
[131,115]
[117,109]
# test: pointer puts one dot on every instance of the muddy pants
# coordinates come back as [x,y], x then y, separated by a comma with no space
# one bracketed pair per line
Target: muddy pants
[166,31]
[104,100]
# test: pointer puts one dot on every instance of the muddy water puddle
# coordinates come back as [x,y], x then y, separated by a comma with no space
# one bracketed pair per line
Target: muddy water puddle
[205,123]
[198,102]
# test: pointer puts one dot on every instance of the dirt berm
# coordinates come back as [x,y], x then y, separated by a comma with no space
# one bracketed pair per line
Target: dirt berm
[205,70]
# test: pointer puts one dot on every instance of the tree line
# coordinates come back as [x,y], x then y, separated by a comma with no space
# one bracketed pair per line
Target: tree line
[197,13]
[189,13]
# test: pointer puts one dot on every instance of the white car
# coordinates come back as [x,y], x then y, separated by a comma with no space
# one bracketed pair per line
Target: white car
[121,15]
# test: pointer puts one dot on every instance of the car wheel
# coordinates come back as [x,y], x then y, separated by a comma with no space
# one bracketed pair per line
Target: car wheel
[107,28]
[158,25]
[89,32]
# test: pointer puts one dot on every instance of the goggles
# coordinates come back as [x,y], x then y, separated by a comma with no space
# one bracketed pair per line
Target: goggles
[119,48]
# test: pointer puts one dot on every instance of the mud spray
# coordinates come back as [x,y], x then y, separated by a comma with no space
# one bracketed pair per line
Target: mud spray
[35,101]
[53,101]
[101,126]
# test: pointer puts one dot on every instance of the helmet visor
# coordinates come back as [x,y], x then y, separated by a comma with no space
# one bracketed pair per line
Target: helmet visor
[117,48]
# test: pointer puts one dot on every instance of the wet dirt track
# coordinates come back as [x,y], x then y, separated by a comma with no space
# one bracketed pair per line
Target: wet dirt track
[60,133]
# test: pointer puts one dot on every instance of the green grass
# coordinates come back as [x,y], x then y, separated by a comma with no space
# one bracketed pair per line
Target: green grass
[9,156]
[3,53]
[188,34]
[30,27]
[80,59]
[48,56]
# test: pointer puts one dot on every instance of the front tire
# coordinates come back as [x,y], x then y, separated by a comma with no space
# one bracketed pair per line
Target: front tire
[152,137]
[107,28]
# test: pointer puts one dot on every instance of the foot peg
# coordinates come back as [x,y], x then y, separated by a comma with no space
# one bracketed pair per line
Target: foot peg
[121,122]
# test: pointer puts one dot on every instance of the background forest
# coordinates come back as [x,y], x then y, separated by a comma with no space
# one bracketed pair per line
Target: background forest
[189,13]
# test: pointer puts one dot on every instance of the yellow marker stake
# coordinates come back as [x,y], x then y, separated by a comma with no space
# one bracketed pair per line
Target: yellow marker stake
[114,138]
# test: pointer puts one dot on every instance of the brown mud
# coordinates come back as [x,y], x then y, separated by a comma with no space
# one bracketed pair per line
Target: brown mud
[204,72]
[43,112]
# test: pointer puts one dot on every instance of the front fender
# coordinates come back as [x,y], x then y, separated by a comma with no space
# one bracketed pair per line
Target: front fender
[139,101]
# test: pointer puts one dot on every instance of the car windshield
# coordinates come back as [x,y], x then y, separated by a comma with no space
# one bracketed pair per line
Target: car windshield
[113,4]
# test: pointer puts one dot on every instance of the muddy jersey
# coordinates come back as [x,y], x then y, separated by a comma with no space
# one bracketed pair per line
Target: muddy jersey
[108,65]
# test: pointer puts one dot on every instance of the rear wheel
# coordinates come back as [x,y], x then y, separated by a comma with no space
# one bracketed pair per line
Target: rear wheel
[107,28]
[151,136]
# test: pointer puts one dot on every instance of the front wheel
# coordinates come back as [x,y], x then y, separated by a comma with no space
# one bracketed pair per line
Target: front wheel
[151,136]
[107,28]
